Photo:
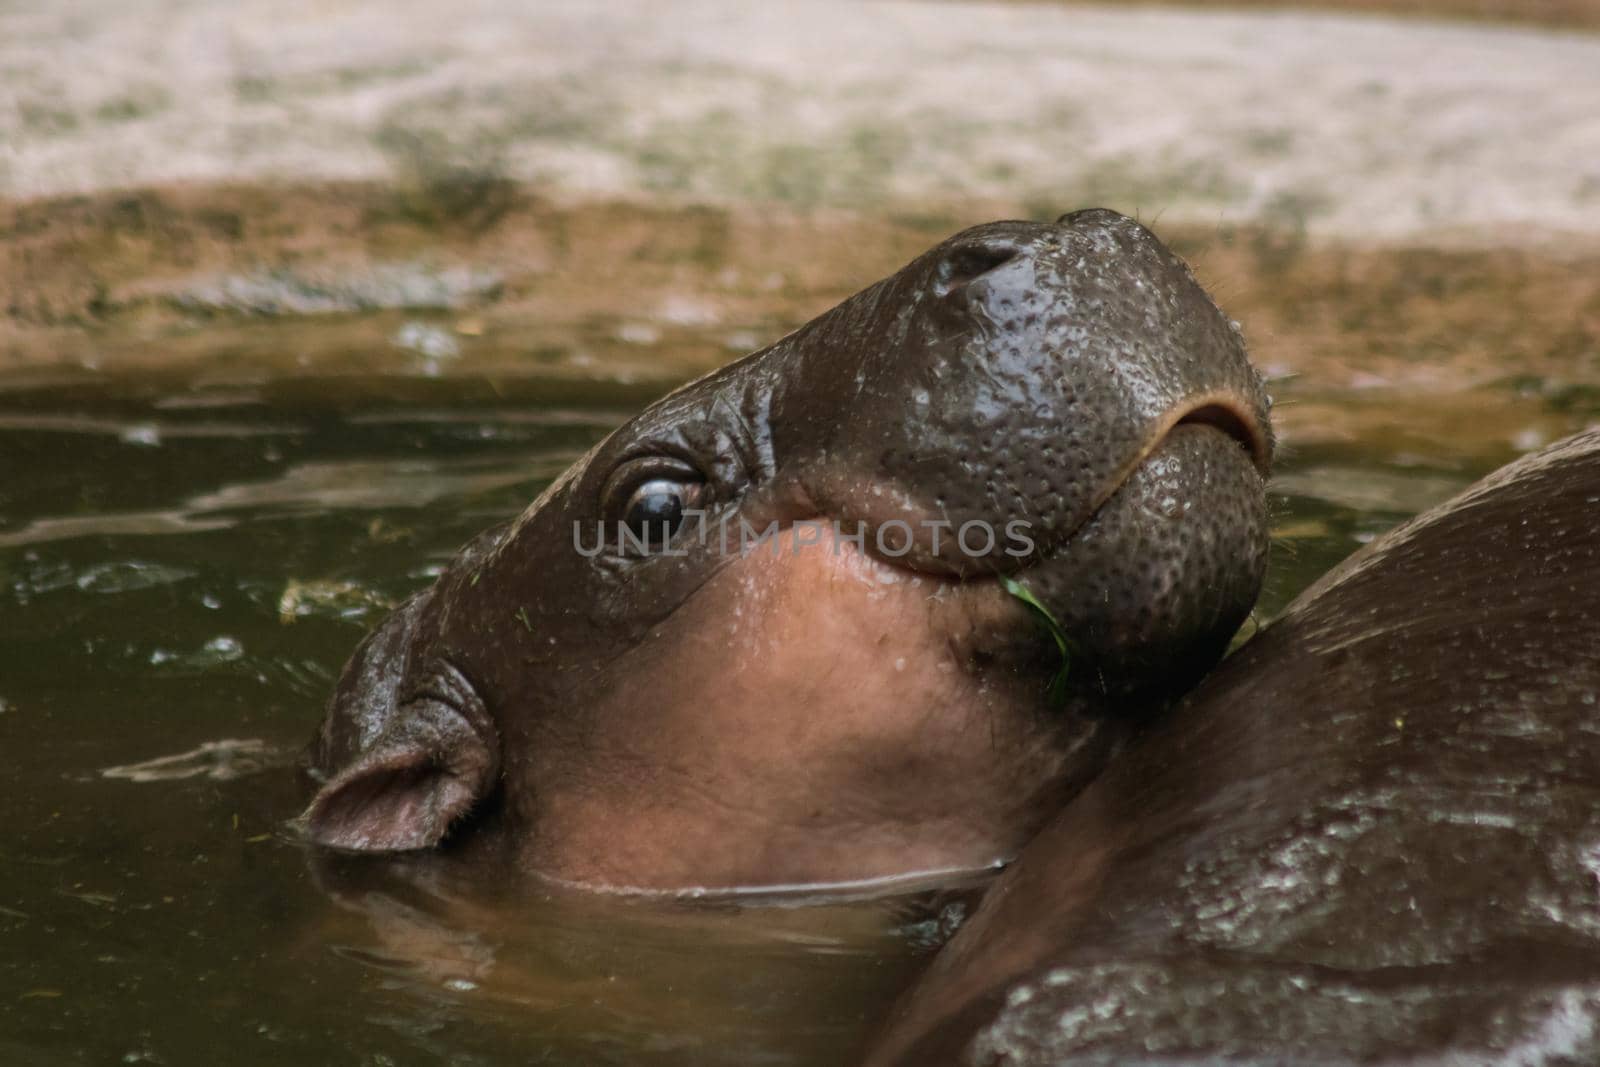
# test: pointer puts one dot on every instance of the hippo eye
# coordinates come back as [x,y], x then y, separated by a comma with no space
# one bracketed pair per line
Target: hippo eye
[657,504]
[656,508]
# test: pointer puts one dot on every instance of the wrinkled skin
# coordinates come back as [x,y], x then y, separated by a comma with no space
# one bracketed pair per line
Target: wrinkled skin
[1372,836]
[836,712]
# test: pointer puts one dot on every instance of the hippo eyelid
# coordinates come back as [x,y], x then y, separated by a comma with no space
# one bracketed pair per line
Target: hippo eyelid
[630,475]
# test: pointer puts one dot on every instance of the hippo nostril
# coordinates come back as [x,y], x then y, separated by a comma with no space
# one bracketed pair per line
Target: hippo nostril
[967,263]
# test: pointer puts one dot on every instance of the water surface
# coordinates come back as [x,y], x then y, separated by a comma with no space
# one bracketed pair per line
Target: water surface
[186,559]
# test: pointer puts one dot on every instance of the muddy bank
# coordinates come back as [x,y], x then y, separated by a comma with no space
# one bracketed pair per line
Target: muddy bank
[657,190]
[378,280]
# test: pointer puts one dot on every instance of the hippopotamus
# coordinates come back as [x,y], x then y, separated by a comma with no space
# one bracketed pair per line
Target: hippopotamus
[1005,505]
[1371,836]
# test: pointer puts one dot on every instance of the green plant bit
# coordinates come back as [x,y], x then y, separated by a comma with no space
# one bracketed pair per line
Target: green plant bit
[1058,684]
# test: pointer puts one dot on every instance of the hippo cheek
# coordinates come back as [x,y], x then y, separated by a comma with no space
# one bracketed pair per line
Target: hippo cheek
[1149,591]
[810,715]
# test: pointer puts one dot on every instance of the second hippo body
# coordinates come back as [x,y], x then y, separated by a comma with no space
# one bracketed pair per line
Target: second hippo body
[1372,836]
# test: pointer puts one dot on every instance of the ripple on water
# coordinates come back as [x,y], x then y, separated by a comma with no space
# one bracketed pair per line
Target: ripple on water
[196,563]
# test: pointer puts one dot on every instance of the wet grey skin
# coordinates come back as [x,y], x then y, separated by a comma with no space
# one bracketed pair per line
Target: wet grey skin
[1372,836]
[808,714]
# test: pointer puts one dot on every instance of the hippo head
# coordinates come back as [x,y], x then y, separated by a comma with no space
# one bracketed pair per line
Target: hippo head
[777,628]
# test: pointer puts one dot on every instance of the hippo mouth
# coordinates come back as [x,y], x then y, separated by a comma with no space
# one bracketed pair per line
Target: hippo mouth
[1213,416]
[1149,585]
[1227,414]
[1220,412]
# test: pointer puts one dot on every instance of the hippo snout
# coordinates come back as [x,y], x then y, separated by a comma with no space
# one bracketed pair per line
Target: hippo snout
[1074,383]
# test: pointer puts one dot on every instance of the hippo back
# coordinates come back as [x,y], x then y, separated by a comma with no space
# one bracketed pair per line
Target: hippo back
[1373,835]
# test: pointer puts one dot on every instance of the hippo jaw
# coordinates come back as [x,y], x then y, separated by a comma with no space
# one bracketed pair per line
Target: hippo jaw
[833,712]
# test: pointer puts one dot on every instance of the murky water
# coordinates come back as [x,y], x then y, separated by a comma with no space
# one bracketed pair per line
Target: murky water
[184,565]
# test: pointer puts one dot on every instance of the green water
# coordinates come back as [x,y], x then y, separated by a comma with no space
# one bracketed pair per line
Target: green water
[186,561]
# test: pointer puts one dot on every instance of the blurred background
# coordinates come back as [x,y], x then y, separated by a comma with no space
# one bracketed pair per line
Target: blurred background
[705,172]
[295,297]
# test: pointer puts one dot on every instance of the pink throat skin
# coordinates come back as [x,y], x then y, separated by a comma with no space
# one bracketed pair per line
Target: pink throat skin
[796,695]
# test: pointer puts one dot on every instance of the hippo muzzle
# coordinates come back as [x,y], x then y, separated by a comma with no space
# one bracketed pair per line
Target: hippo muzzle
[868,603]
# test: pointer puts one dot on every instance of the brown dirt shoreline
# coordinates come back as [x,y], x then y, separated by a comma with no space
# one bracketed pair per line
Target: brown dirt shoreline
[131,279]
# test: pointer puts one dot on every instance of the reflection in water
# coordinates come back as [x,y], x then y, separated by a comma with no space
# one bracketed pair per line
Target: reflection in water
[219,760]
[373,484]
[1364,489]
[126,524]
[187,564]
[638,980]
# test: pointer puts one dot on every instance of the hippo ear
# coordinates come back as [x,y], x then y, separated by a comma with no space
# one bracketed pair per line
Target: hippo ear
[437,757]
